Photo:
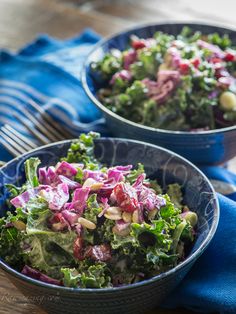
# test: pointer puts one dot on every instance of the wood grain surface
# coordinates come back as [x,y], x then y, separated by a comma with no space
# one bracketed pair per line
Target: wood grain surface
[22,20]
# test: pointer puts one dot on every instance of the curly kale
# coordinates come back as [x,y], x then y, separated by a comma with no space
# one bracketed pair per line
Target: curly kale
[82,151]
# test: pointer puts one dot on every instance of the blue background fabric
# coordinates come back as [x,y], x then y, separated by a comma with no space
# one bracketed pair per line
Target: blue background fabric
[48,72]
[210,286]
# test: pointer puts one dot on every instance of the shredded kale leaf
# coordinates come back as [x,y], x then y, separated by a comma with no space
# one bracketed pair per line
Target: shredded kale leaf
[82,151]
[31,166]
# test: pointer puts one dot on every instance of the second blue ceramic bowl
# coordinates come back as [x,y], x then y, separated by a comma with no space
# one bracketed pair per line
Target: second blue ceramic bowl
[206,147]
[159,163]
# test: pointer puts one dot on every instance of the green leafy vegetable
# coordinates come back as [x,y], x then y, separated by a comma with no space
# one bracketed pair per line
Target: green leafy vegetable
[93,208]
[175,194]
[95,276]
[82,151]
[70,277]
[48,252]
[31,166]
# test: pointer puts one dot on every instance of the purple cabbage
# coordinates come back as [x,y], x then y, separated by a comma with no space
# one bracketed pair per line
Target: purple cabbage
[126,168]
[72,185]
[79,200]
[115,175]
[215,50]
[78,229]
[168,75]
[226,81]
[52,177]
[43,176]
[36,274]
[22,199]
[167,81]
[175,57]
[70,217]
[48,176]
[125,75]
[66,169]
[129,57]
[146,197]
[122,225]
[94,174]
[214,94]
[56,196]
[150,200]
[138,184]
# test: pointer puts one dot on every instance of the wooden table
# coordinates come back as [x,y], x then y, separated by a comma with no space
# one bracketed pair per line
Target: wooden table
[22,20]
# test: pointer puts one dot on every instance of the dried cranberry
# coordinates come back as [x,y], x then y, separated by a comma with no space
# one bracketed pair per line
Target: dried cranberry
[57,222]
[195,62]
[138,44]
[78,249]
[99,252]
[56,218]
[126,197]
[229,57]
[184,67]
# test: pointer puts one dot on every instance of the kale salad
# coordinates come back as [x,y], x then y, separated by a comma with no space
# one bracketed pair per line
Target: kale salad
[182,83]
[82,224]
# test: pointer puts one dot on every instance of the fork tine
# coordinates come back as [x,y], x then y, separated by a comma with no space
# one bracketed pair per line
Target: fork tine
[41,126]
[14,134]
[9,148]
[15,147]
[40,136]
[56,126]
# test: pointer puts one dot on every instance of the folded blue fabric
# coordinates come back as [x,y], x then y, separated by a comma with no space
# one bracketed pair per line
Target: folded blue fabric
[210,286]
[48,72]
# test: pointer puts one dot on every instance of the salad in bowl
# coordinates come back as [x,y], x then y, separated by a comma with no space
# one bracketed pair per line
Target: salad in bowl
[183,82]
[82,224]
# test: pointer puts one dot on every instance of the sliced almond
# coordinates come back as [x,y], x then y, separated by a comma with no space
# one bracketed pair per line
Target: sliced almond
[127,217]
[93,184]
[89,182]
[112,216]
[42,193]
[152,214]
[87,223]
[113,213]
[19,225]
[135,216]
[114,210]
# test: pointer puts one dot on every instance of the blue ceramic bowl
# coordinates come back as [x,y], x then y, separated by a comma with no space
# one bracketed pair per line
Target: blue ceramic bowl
[136,298]
[206,147]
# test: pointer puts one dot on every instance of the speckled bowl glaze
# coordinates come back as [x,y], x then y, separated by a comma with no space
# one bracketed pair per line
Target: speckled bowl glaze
[136,298]
[206,147]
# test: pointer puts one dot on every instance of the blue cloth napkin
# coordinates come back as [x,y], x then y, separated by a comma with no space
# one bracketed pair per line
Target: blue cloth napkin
[210,286]
[48,71]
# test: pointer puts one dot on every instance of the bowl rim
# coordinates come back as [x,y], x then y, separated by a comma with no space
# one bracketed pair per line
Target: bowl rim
[146,282]
[109,112]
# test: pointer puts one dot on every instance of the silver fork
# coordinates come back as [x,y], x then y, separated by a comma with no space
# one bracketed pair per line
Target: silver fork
[15,142]
[41,125]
